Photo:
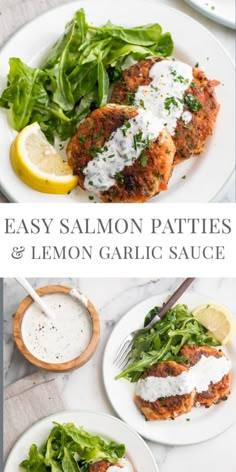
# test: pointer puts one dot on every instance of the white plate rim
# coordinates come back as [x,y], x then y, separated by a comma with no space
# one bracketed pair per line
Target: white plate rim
[212,15]
[219,194]
[147,436]
[78,412]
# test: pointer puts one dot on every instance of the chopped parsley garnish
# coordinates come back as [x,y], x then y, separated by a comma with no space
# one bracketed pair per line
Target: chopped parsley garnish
[172,101]
[192,102]
[119,177]
[197,65]
[162,401]
[91,197]
[110,156]
[82,138]
[93,150]
[181,79]
[130,98]
[143,159]
[148,141]
[137,140]
[186,127]
[126,125]
[99,135]
[184,177]
[142,104]
[167,151]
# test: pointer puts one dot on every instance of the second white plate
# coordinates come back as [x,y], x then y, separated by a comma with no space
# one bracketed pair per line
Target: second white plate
[106,426]
[198,425]
[221,11]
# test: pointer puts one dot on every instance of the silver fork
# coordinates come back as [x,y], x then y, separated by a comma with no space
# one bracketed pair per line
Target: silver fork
[124,353]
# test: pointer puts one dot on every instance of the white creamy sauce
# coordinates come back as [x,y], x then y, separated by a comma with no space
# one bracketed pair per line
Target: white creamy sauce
[206,371]
[60,339]
[209,370]
[126,467]
[164,95]
[122,149]
[186,117]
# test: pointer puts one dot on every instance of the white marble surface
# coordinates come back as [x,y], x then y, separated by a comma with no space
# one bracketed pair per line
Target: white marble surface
[83,388]
[15,13]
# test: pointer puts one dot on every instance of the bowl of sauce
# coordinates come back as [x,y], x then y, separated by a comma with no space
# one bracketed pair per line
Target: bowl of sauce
[63,342]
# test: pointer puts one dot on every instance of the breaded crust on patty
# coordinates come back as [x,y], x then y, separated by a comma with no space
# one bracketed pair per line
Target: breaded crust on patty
[100,466]
[216,392]
[137,183]
[189,140]
[167,407]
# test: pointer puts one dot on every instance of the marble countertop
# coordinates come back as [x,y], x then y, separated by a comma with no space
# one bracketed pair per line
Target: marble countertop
[84,388]
[15,13]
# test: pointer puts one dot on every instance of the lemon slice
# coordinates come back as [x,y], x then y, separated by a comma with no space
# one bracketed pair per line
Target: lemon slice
[217,319]
[38,164]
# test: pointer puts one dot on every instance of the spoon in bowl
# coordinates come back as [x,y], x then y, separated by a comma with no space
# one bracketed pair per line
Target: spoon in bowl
[26,285]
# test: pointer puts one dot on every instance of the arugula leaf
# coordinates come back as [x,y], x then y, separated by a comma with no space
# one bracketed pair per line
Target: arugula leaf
[85,82]
[26,90]
[165,45]
[92,448]
[35,462]
[95,49]
[69,464]
[165,340]
[71,449]
[63,93]
[128,49]
[103,84]
[150,315]
[79,28]
[139,35]
[83,62]
[82,24]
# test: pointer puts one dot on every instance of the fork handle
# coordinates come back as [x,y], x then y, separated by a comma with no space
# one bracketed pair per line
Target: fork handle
[171,301]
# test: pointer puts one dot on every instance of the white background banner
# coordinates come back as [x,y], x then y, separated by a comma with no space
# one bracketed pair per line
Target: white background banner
[90,240]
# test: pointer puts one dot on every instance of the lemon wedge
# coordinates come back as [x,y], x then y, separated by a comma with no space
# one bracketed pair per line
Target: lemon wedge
[38,164]
[217,319]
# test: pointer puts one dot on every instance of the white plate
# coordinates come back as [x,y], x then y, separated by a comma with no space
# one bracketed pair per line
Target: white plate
[106,426]
[221,11]
[204,423]
[207,175]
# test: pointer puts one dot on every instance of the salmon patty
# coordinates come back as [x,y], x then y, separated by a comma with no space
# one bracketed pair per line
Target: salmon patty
[122,154]
[168,407]
[216,391]
[100,466]
[199,104]
[103,466]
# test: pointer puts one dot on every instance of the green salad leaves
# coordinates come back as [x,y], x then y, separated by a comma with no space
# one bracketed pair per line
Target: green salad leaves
[77,73]
[164,341]
[69,449]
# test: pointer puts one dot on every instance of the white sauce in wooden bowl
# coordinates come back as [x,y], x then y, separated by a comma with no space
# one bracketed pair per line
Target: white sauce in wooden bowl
[62,338]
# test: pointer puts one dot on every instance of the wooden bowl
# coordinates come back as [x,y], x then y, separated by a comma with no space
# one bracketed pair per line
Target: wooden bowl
[64,366]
